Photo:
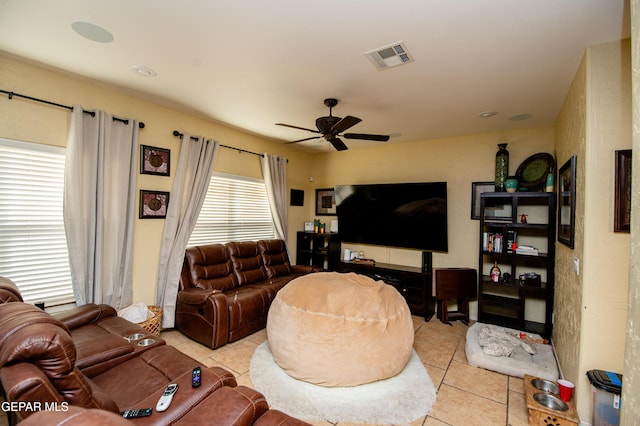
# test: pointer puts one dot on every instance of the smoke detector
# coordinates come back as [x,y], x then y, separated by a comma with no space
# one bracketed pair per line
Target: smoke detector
[389,56]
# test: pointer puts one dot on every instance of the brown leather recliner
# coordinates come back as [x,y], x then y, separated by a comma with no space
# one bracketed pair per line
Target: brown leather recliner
[226,289]
[9,292]
[103,339]
[37,363]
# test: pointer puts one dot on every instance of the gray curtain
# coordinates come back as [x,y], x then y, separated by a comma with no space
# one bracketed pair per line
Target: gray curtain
[274,170]
[195,166]
[99,199]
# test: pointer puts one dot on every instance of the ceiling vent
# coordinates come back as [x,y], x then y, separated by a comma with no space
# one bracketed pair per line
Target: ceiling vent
[390,56]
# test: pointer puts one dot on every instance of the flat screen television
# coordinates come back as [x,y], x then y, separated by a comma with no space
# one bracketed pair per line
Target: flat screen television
[407,215]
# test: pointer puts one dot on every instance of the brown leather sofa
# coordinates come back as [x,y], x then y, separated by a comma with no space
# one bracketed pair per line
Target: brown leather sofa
[38,370]
[226,289]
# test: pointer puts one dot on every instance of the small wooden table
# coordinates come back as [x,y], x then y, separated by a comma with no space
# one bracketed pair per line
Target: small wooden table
[454,283]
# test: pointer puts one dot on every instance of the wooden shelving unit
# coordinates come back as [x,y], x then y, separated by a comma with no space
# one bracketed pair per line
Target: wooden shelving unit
[505,302]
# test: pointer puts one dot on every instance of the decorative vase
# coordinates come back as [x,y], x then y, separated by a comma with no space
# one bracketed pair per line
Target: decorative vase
[549,184]
[511,184]
[502,167]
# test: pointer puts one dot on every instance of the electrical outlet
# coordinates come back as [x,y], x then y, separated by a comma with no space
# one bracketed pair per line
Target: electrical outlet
[576,265]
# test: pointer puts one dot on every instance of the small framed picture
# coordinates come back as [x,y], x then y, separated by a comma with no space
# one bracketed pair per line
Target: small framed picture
[567,203]
[478,188]
[153,204]
[308,227]
[622,217]
[325,202]
[155,161]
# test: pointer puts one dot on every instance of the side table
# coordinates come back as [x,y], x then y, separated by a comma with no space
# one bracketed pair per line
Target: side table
[454,283]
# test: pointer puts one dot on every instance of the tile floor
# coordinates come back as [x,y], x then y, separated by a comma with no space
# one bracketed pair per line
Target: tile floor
[467,395]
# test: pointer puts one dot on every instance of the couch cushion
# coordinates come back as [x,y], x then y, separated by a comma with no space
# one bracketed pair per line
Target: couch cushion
[210,267]
[247,262]
[274,257]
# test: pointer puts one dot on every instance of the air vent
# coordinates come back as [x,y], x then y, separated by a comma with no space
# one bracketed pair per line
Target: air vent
[390,56]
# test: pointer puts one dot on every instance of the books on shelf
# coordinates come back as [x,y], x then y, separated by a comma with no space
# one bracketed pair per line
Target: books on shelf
[527,250]
[496,242]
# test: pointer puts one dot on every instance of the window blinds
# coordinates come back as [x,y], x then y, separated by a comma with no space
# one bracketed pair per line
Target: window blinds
[236,208]
[33,248]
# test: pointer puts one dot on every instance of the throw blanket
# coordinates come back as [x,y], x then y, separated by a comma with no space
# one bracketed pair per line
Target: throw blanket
[496,341]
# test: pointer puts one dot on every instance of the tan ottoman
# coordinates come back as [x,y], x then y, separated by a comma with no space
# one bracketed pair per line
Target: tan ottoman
[335,329]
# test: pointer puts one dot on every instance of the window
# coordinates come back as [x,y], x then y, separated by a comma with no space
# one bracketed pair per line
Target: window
[236,208]
[33,245]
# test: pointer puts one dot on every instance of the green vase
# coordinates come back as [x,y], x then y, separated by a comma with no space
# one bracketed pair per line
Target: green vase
[502,167]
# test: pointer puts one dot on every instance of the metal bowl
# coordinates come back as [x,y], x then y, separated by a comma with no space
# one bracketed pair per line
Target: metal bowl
[146,342]
[136,336]
[550,401]
[546,386]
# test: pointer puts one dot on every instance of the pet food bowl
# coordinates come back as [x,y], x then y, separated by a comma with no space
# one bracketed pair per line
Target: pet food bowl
[146,342]
[545,386]
[550,401]
[136,336]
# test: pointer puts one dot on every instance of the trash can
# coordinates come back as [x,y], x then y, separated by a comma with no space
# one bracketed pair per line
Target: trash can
[607,387]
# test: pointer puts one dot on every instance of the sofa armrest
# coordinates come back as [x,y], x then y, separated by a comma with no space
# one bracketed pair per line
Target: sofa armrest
[25,382]
[304,269]
[203,315]
[196,296]
[85,314]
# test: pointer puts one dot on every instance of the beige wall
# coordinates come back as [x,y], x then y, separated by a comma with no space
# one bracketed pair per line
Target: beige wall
[457,160]
[631,389]
[591,304]
[35,122]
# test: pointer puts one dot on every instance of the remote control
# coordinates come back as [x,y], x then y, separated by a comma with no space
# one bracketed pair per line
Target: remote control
[133,414]
[195,377]
[167,396]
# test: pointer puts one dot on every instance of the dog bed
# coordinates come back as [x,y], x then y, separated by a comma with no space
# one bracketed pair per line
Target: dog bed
[542,363]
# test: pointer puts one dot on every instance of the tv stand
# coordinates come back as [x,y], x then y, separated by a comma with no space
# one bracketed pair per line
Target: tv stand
[413,284]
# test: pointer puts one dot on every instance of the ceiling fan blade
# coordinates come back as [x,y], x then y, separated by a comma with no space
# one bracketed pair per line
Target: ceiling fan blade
[345,123]
[297,127]
[302,140]
[379,138]
[338,144]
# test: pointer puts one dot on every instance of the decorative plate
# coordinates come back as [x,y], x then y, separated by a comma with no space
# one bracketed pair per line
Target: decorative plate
[533,171]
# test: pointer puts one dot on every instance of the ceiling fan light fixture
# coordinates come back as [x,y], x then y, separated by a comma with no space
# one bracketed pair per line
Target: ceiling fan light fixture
[389,56]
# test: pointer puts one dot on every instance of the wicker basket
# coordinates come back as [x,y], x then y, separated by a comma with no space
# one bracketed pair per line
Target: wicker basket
[152,325]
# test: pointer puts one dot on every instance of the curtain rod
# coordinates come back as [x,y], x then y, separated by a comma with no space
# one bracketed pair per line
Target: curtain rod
[70,108]
[194,138]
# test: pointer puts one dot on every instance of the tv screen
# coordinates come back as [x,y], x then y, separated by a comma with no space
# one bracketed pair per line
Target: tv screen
[408,215]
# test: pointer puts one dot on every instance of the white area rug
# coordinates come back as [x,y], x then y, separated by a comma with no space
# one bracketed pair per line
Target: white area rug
[398,400]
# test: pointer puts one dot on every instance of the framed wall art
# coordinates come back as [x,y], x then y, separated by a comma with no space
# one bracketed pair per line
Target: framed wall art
[478,188]
[153,204]
[155,161]
[325,202]
[567,202]
[622,212]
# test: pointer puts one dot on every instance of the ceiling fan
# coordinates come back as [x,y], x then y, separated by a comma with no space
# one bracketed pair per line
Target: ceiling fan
[331,127]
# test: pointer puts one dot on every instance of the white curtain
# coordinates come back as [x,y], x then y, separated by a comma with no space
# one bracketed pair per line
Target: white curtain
[99,199]
[195,166]
[274,170]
